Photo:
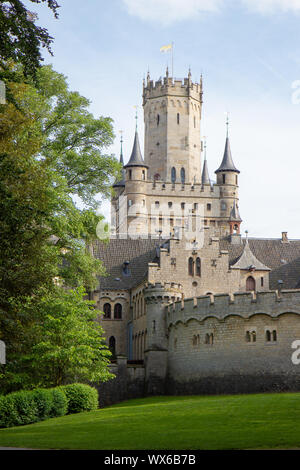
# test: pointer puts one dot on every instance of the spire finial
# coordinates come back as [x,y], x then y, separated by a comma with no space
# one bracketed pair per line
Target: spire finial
[121,152]
[205,146]
[136,117]
[167,72]
[227,124]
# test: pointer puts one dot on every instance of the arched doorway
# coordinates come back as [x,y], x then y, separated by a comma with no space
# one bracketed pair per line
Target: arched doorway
[250,284]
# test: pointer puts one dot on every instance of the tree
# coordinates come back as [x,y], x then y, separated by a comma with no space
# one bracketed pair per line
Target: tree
[44,234]
[20,38]
[69,344]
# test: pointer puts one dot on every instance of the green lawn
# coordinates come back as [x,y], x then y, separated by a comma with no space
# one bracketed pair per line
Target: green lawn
[215,422]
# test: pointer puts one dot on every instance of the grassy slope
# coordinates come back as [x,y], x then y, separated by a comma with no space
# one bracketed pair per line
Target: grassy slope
[222,422]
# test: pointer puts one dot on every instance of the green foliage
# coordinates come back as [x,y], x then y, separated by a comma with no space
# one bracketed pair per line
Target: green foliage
[80,397]
[52,152]
[21,39]
[60,403]
[26,407]
[69,343]
[44,403]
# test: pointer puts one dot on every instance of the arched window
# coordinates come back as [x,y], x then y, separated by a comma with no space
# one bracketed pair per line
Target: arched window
[253,336]
[118,312]
[178,118]
[248,337]
[268,335]
[250,284]
[182,175]
[173,175]
[191,267]
[198,267]
[274,335]
[107,310]
[112,346]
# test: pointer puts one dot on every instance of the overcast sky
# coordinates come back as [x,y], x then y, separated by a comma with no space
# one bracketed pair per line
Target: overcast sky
[249,54]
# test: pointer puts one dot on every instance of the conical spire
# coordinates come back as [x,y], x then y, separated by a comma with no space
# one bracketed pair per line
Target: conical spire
[227,162]
[205,175]
[235,214]
[122,181]
[136,158]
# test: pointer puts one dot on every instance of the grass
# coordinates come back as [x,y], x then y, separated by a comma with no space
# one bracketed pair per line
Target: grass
[194,422]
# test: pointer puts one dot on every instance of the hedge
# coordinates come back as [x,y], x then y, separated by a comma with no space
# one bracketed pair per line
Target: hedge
[80,397]
[28,407]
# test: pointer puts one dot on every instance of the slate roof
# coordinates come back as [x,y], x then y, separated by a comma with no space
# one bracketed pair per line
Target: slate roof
[282,258]
[205,175]
[227,162]
[248,260]
[136,158]
[113,255]
[235,213]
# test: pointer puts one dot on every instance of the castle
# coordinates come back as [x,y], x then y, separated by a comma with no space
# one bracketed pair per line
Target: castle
[187,300]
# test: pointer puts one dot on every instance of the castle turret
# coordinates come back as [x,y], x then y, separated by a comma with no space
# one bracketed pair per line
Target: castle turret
[227,180]
[136,190]
[157,297]
[172,113]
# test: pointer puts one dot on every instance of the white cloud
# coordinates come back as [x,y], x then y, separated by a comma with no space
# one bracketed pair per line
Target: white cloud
[167,12]
[270,6]
[170,11]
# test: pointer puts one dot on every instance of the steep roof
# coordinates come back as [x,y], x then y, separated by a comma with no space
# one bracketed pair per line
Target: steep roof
[248,260]
[205,175]
[122,180]
[113,255]
[227,162]
[282,258]
[136,158]
[235,213]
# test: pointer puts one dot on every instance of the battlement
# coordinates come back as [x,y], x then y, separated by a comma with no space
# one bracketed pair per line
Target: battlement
[244,304]
[172,87]
[163,286]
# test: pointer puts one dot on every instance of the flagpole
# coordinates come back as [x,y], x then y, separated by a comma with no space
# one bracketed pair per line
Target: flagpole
[172,59]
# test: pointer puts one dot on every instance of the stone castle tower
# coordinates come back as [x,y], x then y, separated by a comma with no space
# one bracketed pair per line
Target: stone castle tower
[165,191]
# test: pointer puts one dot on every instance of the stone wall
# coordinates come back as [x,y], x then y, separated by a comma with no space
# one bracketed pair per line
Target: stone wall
[128,383]
[219,344]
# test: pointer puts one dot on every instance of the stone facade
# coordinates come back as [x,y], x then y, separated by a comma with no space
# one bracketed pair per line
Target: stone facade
[195,311]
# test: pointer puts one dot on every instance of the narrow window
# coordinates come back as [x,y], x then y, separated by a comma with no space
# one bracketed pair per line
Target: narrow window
[253,336]
[224,179]
[195,206]
[118,312]
[178,118]
[191,267]
[107,310]
[236,180]
[157,119]
[194,122]
[173,175]
[130,174]
[262,282]
[198,267]
[208,207]
[250,284]
[156,204]
[274,335]
[182,205]
[112,346]
[268,335]
[182,175]
[170,204]
[248,337]
[143,175]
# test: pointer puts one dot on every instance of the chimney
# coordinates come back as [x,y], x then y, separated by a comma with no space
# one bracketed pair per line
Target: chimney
[284,237]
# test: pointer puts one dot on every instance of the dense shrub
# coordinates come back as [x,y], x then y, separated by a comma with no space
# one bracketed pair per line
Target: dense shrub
[60,403]
[80,397]
[44,403]
[28,407]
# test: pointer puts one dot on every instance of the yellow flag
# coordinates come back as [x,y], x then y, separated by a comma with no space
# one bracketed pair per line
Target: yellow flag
[166,48]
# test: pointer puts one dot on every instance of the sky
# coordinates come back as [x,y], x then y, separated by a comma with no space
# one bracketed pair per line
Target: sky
[249,54]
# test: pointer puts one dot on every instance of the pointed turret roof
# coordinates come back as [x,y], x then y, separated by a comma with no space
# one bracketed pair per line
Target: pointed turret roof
[247,261]
[227,162]
[205,174]
[235,214]
[122,180]
[136,158]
